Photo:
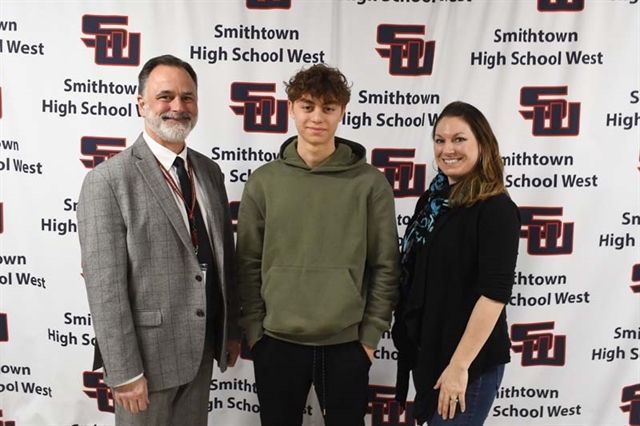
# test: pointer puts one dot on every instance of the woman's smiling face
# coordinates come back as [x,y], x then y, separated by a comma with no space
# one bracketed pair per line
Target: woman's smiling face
[455,148]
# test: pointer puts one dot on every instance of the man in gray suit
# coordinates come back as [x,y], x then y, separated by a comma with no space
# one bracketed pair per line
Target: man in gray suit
[157,246]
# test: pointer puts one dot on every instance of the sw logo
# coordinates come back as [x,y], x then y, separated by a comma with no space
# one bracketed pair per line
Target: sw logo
[550,116]
[101,392]
[631,400]
[385,411]
[546,236]
[111,40]
[405,177]
[234,207]
[4,328]
[560,5]
[259,109]
[268,4]
[6,422]
[538,346]
[97,148]
[407,56]
[635,277]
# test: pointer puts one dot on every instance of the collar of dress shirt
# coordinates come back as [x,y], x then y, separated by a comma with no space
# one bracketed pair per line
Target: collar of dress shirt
[165,156]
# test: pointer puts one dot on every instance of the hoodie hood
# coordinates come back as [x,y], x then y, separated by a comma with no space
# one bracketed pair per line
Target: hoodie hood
[348,155]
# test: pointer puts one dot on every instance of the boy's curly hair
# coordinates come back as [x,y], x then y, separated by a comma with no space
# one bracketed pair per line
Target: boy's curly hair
[320,81]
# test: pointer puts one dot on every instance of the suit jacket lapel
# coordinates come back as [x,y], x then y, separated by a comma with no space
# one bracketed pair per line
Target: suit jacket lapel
[150,170]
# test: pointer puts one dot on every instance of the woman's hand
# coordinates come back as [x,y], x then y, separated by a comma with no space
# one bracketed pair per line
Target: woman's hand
[454,379]
[453,385]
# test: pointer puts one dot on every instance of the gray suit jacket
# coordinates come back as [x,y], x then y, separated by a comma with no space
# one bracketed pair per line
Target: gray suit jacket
[144,283]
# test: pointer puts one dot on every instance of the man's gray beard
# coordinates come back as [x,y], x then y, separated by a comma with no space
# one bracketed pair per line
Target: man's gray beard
[176,133]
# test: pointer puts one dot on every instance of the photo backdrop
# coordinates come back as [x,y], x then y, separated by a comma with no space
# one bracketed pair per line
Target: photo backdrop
[558,79]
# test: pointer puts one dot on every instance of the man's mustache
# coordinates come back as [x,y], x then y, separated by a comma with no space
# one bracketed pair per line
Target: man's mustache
[176,116]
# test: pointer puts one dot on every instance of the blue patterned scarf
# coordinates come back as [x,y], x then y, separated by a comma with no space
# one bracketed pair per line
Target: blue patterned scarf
[423,221]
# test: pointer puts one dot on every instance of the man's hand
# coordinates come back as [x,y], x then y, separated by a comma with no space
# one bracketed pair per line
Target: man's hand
[233,347]
[369,352]
[133,396]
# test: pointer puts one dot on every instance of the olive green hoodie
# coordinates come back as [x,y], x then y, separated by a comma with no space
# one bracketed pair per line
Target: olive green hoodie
[317,249]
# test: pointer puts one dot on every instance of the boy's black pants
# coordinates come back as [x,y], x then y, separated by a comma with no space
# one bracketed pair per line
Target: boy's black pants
[285,371]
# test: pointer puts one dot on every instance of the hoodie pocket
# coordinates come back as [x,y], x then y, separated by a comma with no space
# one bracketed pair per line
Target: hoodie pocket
[311,301]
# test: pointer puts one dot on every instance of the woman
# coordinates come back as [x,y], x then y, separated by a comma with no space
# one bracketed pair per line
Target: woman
[459,256]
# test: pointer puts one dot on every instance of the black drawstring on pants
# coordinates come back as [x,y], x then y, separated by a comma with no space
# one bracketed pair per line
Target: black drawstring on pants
[323,382]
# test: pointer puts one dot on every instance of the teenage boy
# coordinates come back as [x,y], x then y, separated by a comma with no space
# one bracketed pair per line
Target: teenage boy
[317,261]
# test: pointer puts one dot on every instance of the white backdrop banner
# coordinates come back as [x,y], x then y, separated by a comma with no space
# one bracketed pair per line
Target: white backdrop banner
[558,79]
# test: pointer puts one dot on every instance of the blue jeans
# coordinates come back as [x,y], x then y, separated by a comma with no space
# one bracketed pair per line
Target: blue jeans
[479,398]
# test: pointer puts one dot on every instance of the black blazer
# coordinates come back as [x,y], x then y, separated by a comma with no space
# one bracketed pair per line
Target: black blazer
[471,252]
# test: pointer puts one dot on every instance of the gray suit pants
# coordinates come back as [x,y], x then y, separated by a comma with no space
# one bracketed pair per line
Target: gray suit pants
[183,405]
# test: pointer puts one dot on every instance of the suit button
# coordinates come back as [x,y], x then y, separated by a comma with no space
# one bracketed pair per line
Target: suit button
[198,278]
[200,313]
